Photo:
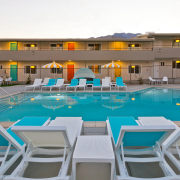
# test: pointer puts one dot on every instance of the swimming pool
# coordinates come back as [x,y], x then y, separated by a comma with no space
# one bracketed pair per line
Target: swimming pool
[93,106]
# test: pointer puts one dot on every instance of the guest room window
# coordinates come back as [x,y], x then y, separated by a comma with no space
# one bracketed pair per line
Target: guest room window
[30,46]
[95,46]
[56,46]
[96,69]
[135,69]
[30,69]
[162,63]
[56,70]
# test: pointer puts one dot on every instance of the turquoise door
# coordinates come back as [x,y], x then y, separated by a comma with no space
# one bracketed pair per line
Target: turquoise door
[13,72]
[13,46]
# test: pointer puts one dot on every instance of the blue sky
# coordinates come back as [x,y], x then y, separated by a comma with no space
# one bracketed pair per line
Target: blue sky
[86,18]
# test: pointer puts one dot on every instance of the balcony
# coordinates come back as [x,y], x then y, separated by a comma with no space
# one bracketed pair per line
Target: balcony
[167,52]
[77,55]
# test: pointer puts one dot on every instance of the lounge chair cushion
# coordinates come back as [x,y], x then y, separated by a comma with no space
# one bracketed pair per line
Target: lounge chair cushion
[26,121]
[72,125]
[117,122]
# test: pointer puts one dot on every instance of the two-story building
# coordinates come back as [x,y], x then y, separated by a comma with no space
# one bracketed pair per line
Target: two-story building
[151,54]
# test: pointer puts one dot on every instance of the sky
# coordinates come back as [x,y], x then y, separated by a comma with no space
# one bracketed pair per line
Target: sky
[86,18]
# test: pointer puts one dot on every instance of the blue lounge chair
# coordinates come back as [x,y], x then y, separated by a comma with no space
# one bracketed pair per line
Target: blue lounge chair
[131,139]
[74,83]
[13,144]
[96,84]
[51,83]
[119,83]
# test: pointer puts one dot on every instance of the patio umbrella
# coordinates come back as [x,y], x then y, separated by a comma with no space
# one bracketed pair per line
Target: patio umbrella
[111,65]
[53,65]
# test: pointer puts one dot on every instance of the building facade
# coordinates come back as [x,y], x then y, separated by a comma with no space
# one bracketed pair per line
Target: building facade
[151,54]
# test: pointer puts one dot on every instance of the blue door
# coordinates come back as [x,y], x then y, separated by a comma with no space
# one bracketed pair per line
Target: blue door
[13,72]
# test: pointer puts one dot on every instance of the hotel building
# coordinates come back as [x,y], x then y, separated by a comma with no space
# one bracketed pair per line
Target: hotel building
[152,54]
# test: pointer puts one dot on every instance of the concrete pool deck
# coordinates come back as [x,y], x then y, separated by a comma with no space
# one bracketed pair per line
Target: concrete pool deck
[131,88]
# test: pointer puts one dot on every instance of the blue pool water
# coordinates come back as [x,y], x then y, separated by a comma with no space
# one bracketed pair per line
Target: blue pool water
[93,106]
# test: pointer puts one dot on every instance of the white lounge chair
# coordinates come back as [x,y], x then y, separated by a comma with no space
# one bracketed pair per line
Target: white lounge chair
[45,82]
[171,146]
[165,79]
[11,144]
[109,79]
[105,84]
[59,137]
[59,84]
[8,80]
[1,80]
[82,84]
[151,80]
[37,83]
[126,132]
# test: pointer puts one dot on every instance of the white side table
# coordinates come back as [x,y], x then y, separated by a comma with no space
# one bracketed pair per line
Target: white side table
[93,149]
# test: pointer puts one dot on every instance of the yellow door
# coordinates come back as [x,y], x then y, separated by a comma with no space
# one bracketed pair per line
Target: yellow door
[117,46]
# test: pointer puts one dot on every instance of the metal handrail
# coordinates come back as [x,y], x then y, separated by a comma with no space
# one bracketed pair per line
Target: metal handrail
[9,95]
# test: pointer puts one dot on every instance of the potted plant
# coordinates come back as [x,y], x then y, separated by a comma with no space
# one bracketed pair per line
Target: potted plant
[28,81]
[140,79]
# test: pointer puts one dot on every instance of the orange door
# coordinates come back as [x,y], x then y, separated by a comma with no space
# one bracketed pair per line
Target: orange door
[70,72]
[71,46]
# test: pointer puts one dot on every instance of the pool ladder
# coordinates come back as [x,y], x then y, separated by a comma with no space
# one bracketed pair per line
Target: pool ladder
[9,95]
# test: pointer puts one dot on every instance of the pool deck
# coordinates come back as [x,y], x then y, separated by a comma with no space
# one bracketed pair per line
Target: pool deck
[131,88]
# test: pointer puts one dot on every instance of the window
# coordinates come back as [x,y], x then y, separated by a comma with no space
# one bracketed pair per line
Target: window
[30,69]
[56,46]
[176,42]
[91,47]
[30,46]
[131,69]
[162,63]
[178,64]
[95,46]
[96,69]
[134,45]
[135,69]
[56,70]
[174,64]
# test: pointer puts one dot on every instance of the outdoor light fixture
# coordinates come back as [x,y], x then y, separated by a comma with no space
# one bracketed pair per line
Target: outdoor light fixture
[133,66]
[178,104]
[177,61]
[58,94]
[69,106]
[57,99]
[119,60]
[32,99]
[69,60]
[10,60]
[133,99]
[132,45]
[32,45]
[32,67]
[177,40]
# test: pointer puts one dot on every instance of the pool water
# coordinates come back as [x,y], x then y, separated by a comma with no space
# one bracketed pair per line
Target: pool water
[93,106]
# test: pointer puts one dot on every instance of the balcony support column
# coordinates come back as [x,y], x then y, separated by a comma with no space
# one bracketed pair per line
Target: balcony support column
[17,70]
[130,72]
